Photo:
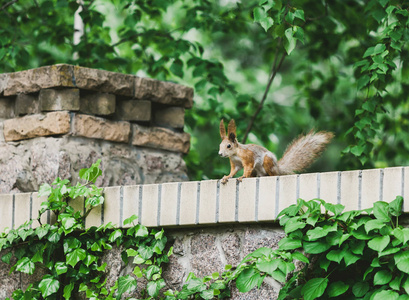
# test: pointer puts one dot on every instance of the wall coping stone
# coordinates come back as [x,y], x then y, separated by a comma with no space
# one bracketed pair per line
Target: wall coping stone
[210,202]
[65,75]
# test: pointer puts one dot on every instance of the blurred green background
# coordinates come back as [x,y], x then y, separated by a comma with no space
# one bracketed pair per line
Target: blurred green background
[344,67]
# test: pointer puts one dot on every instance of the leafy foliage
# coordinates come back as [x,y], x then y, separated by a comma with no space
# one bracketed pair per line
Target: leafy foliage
[70,256]
[277,66]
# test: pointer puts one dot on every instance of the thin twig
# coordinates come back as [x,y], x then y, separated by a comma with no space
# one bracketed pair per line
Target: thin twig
[274,71]
[8,4]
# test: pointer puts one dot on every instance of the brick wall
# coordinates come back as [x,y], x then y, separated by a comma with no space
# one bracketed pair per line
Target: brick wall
[58,119]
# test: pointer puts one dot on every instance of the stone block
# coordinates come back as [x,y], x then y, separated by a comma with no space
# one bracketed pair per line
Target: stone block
[31,81]
[163,92]
[99,128]
[230,245]
[104,81]
[204,246]
[4,78]
[134,110]
[170,117]
[53,123]
[62,99]
[161,138]
[26,104]
[101,104]
[6,108]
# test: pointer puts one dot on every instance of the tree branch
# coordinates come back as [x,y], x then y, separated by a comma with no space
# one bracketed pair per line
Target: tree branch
[274,71]
[8,4]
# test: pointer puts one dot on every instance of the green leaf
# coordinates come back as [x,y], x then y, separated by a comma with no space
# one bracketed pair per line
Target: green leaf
[153,287]
[289,244]
[91,174]
[45,190]
[289,42]
[116,234]
[374,224]
[67,290]
[48,286]
[335,255]
[381,211]
[145,252]
[315,247]
[126,284]
[301,257]
[382,277]
[395,207]
[141,231]
[130,220]
[25,265]
[379,243]
[60,267]
[260,16]
[177,68]
[54,237]
[402,261]
[208,294]
[337,288]
[385,294]
[314,288]
[42,230]
[247,280]
[75,256]
[360,289]
[299,14]
[6,258]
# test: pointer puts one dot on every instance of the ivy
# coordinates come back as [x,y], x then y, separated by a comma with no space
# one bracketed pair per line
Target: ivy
[70,255]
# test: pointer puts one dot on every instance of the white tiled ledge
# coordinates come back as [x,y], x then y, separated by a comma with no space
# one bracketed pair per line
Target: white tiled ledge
[210,202]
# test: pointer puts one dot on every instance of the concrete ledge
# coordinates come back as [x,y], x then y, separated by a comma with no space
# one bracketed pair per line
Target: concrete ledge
[209,202]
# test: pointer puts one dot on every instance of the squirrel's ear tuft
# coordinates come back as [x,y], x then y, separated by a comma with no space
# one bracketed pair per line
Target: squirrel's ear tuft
[222,129]
[231,128]
[232,137]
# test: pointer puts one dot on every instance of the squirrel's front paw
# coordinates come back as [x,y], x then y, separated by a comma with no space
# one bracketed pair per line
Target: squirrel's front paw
[240,179]
[224,179]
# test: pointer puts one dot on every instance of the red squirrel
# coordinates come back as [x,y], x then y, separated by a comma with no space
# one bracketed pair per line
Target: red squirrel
[258,161]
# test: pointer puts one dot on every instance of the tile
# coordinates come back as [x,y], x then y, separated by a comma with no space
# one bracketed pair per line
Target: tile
[207,202]
[169,204]
[247,200]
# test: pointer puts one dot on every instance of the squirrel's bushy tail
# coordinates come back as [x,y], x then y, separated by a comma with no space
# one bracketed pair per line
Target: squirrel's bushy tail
[302,152]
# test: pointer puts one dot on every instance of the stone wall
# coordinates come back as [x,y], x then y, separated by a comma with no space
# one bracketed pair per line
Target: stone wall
[58,119]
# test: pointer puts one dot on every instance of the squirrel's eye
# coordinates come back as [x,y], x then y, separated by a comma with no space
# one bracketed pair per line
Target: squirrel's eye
[228,146]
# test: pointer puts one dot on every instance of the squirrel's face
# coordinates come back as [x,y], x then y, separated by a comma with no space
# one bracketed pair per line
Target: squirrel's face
[228,147]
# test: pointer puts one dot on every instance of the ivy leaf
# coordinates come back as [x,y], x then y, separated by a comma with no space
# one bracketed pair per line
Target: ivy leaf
[6,258]
[48,286]
[45,190]
[208,294]
[141,231]
[60,268]
[91,174]
[42,230]
[314,288]
[153,287]
[25,265]
[130,220]
[67,290]
[75,256]
[126,284]
[247,280]
[145,252]
[337,288]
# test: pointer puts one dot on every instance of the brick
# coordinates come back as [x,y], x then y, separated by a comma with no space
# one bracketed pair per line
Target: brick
[22,207]
[26,104]
[188,202]
[101,104]
[112,205]
[267,198]
[161,138]
[308,186]
[227,201]
[329,186]
[6,108]
[350,189]
[170,117]
[99,128]
[150,205]
[63,99]
[134,110]
[207,208]
[33,80]
[31,126]
[392,183]
[370,188]
[287,191]
[163,92]
[169,201]
[36,206]
[247,200]
[130,202]
[6,208]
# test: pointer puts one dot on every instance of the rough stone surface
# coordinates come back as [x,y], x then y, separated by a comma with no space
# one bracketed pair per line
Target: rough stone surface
[101,104]
[29,163]
[30,81]
[62,99]
[134,110]
[230,245]
[255,238]
[170,117]
[99,128]
[4,78]
[163,92]
[6,108]
[27,127]
[26,104]
[204,246]
[104,81]
[8,283]
[161,138]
